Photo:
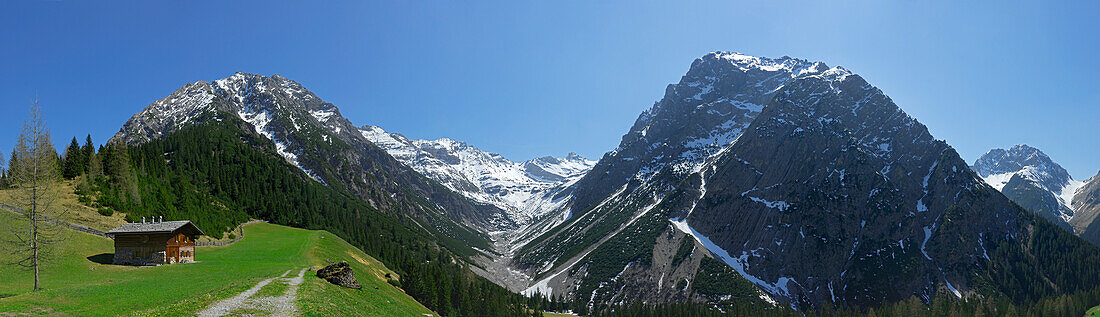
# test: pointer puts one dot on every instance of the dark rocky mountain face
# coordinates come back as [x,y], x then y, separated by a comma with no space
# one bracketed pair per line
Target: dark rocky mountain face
[713,103]
[1087,206]
[839,196]
[312,135]
[1034,197]
[806,180]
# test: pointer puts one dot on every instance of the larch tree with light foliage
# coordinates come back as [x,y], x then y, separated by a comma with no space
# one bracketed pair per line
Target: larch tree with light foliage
[3,172]
[34,173]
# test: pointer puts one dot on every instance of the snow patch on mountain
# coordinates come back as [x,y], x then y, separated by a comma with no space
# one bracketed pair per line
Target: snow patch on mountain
[999,181]
[322,115]
[1069,191]
[259,121]
[739,263]
[781,205]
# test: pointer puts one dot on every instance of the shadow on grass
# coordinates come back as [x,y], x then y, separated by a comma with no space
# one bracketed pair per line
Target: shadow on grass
[103,258]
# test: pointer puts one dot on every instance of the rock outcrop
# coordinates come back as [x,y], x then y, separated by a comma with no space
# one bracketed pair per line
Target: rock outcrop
[339,274]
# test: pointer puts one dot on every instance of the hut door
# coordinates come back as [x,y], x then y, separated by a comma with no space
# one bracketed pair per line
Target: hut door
[173,254]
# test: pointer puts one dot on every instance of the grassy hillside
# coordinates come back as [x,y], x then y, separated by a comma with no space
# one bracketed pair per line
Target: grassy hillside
[79,283]
[378,297]
[75,211]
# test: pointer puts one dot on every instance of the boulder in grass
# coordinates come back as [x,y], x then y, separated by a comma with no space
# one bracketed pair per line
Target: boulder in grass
[339,274]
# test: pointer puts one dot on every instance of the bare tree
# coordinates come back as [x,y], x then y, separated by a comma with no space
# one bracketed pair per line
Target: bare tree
[34,172]
[3,174]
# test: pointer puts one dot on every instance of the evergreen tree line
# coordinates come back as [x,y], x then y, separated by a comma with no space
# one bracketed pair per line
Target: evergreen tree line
[218,177]
[106,180]
[77,158]
[74,162]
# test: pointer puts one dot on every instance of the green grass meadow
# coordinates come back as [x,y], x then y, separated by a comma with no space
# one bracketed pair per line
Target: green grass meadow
[81,282]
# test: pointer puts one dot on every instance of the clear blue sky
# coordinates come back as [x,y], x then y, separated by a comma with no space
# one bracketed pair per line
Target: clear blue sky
[534,78]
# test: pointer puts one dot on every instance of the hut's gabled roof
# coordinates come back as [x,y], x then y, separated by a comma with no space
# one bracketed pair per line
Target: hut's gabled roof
[157,227]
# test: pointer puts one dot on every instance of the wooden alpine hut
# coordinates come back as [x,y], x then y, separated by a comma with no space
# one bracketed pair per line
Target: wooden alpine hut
[155,243]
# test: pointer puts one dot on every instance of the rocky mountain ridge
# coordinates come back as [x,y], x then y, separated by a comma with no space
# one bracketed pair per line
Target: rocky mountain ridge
[1086,206]
[806,180]
[312,135]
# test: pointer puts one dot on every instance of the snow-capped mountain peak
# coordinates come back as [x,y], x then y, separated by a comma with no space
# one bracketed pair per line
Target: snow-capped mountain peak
[517,187]
[169,113]
[999,167]
[747,63]
[277,108]
[1017,158]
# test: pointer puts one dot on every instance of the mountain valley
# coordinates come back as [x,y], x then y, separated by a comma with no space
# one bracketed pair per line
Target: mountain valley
[755,184]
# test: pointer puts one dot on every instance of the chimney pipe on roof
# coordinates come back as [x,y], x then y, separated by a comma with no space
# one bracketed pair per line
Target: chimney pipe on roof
[142,219]
[161,218]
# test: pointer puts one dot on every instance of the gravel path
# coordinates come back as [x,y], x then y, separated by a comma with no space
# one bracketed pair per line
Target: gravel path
[246,303]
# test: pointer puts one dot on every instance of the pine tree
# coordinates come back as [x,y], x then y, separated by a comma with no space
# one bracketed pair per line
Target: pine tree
[72,165]
[34,172]
[88,151]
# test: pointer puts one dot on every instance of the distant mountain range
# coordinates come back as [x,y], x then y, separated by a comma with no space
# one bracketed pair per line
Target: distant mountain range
[522,189]
[760,181]
[1030,178]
